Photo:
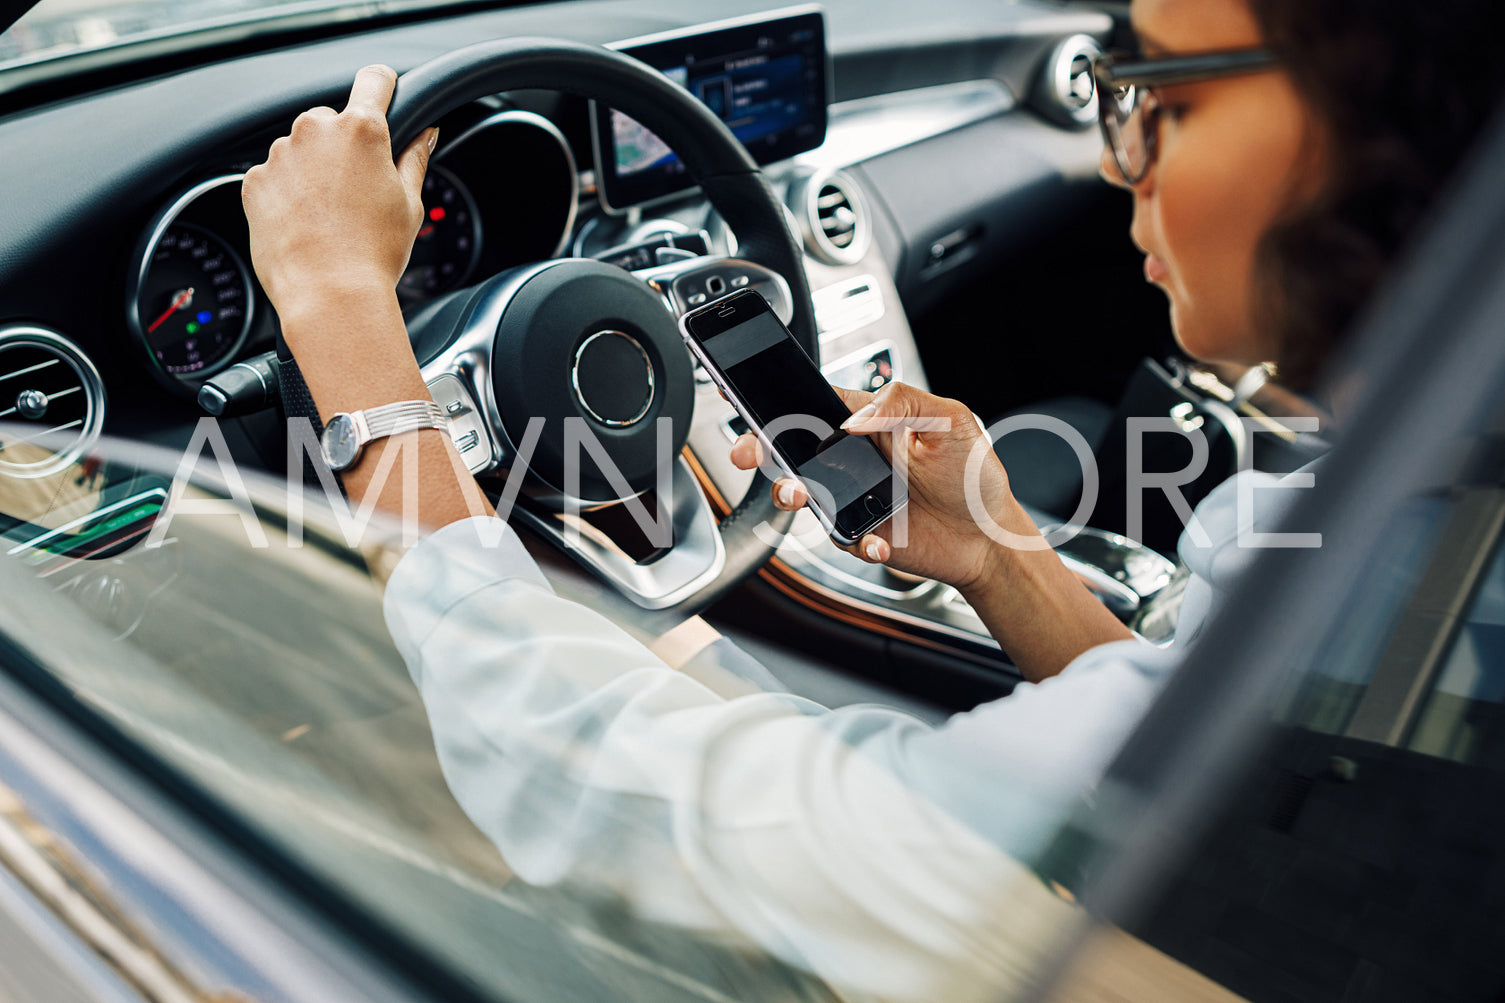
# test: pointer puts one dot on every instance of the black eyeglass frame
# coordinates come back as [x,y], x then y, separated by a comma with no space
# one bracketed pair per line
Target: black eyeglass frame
[1117,71]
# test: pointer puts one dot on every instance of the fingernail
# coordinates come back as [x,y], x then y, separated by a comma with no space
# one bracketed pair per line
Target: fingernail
[874,552]
[786,493]
[433,139]
[860,415]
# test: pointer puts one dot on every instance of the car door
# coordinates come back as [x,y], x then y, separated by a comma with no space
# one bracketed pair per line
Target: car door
[1313,811]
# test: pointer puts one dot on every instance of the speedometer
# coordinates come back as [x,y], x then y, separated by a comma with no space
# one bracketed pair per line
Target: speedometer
[193,306]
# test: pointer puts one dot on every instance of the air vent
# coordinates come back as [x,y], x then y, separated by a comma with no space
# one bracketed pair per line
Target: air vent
[835,219]
[51,402]
[1066,92]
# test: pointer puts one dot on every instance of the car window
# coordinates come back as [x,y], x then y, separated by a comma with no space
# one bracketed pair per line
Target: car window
[1463,718]
[54,28]
[244,651]
[1362,860]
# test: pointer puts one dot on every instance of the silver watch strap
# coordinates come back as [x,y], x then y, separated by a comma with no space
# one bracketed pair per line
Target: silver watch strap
[404,416]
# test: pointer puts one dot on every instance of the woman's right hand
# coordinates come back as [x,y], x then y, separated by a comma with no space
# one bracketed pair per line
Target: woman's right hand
[940,445]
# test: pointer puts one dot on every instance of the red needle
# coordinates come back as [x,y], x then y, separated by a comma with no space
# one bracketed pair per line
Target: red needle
[177,304]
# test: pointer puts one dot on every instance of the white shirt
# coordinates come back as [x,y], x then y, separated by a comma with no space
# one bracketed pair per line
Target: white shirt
[888,857]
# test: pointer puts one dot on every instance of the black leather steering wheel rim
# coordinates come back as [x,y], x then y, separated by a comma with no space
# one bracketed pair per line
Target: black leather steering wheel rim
[726,173]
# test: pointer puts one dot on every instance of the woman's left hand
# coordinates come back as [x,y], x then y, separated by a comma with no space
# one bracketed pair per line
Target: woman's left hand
[330,212]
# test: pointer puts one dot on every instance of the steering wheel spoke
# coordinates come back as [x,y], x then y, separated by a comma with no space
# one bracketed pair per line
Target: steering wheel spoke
[694,559]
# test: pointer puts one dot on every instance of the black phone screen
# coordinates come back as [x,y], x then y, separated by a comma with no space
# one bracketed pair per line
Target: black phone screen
[791,402]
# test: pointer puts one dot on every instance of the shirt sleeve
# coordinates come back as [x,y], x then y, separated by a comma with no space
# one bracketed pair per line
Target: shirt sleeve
[886,856]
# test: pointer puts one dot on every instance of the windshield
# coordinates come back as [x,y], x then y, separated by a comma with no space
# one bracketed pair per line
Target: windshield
[62,27]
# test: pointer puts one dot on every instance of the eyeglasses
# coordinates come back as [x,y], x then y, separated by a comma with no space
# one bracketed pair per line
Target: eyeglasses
[1129,111]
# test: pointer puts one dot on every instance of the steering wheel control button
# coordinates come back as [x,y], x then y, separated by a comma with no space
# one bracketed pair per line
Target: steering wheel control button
[613,378]
[31,405]
[466,424]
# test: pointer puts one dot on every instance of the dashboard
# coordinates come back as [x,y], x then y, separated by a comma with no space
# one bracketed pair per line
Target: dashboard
[942,145]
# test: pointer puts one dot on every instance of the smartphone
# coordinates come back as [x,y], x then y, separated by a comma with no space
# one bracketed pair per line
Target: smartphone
[783,397]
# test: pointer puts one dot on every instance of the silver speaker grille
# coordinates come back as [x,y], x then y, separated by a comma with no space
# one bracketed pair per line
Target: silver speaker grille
[52,402]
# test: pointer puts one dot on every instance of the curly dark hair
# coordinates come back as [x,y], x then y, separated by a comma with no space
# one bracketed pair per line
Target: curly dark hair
[1403,88]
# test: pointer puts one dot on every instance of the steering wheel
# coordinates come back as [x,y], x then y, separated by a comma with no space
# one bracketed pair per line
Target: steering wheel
[589,347]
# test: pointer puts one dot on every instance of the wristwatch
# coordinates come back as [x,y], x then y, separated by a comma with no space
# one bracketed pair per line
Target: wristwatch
[347,434]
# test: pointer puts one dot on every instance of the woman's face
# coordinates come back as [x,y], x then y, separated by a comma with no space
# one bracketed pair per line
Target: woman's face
[1235,155]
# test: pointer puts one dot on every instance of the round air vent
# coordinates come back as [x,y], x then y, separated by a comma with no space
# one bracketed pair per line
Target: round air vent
[1065,92]
[52,402]
[834,219]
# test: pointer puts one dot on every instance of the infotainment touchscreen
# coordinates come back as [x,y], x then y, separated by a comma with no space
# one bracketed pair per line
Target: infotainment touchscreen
[766,79]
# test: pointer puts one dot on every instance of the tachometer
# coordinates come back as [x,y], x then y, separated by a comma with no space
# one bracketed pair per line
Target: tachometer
[193,307]
[449,241]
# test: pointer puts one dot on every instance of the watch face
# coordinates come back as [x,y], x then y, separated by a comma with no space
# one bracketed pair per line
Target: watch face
[341,442]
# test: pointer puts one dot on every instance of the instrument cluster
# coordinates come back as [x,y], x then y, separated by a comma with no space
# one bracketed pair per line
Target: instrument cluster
[502,192]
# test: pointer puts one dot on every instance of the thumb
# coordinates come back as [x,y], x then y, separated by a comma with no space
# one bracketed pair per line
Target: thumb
[887,410]
[899,405]
[414,162]
[853,399]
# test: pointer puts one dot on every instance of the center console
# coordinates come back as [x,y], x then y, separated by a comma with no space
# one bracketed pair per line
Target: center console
[767,80]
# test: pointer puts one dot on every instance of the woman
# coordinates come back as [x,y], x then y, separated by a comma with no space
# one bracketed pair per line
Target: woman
[1272,188]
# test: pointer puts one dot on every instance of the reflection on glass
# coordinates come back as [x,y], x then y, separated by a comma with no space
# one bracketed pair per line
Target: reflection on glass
[828,858]
[48,502]
[1464,716]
